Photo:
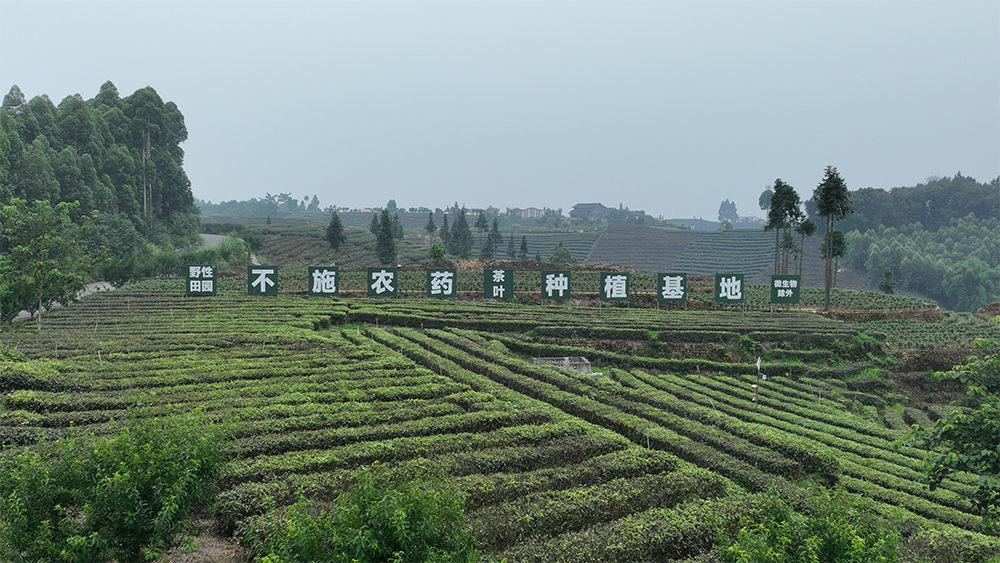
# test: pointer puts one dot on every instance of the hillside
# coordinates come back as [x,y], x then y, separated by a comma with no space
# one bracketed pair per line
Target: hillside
[658,451]
[648,249]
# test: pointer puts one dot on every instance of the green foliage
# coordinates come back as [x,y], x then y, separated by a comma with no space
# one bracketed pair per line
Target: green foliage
[969,441]
[833,201]
[460,237]
[562,255]
[838,528]
[437,253]
[124,496]
[727,211]
[958,264]
[378,519]
[385,240]
[335,232]
[430,227]
[43,259]
[887,285]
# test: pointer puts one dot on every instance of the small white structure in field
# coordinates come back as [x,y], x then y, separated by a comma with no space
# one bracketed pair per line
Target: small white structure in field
[578,364]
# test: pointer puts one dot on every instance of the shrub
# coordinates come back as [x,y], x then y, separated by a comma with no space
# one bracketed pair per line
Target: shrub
[839,528]
[124,496]
[375,520]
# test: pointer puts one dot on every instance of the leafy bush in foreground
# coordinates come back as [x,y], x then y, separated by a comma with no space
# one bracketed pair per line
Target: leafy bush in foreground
[375,520]
[123,496]
[838,529]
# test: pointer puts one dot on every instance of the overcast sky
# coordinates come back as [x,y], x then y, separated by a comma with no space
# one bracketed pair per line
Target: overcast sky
[665,106]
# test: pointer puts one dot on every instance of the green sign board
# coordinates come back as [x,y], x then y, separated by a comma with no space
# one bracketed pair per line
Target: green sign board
[614,286]
[671,287]
[382,282]
[498,284]
[262,280]
[201,280]
[324,280]
[441,283]
[784,289]
[555,284]
[729,288]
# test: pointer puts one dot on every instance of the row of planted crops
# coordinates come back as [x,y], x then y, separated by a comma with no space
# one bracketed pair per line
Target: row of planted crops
[644,461]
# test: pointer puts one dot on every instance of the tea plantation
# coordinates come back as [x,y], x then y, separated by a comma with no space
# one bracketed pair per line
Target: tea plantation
[674,439]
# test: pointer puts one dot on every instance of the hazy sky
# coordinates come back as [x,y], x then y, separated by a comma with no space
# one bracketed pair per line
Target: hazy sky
[666,106]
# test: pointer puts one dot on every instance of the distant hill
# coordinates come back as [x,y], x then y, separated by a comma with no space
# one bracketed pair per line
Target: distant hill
[649,249]
[653,249]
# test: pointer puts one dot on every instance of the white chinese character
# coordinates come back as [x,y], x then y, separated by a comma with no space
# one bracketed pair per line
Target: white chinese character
[262,280]
[784,283]
[382,281]
[206,272]
[206,286]
[794,283]
[554,282]
[324,281]
[498,291]
[442,283]
[615,287]
[672,288]
[498,276]
[195,286]
[194,271]
[730,288]
[777,283]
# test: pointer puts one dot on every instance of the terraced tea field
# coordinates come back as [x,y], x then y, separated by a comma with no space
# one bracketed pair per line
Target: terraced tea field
[638,463]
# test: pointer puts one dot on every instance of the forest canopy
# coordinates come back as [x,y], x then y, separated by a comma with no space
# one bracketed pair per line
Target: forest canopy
[118,156]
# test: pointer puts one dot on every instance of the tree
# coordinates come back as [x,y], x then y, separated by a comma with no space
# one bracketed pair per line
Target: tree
[524,248]
[43,258]
[783,214]
[887,285]
[727,211]
[511,254]
[374,225]
[385,242]
[483,226]
[391,206]
[969,441]
[397,227]
[834,241]
[562,255]
[445,233]
[460,243]
[430,227]
[314,204]
[764,201]
[335,232]
[437,253]
[805,229]
[833,201]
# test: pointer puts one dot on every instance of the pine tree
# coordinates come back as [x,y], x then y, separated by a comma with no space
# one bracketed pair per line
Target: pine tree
[385,243]
[335,232]
[374,225]
[511,255]
[430,227]
[524,248]
[460,244]
[445,233]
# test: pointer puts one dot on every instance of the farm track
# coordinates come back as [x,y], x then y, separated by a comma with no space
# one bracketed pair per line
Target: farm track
[311,391]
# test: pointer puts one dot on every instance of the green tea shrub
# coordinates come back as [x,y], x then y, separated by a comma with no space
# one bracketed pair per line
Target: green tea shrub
[378,519]
[122,496]
[839,528]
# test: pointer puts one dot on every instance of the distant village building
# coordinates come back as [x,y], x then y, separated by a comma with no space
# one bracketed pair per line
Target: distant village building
[529,213]
[589,212]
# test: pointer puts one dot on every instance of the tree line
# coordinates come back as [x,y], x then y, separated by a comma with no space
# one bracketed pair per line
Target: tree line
[91,187]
